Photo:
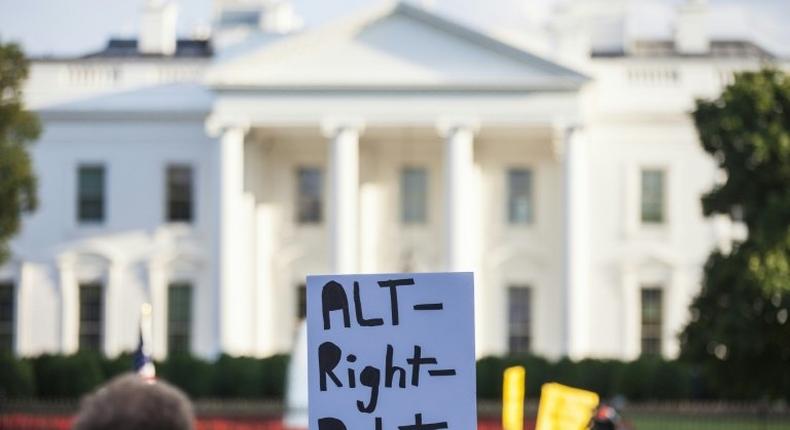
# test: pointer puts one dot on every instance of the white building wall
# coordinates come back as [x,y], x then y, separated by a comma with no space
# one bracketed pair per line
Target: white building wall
[626,253]
[59,252]
[635,116]
[406,247]
[522,255]
[638,117]
[298,249]
[511,255]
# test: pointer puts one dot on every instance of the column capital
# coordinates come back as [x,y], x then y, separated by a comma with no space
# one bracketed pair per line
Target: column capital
[564,129]
[65,261]
[332,126]
[562,133]
[156,262]
[449,125]
[565,124]
[216,127]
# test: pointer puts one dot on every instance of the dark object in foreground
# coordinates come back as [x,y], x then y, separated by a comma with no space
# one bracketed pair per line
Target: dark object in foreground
[606,418]
[129,402]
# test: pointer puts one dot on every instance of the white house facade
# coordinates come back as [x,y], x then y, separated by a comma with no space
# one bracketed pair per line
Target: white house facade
[209,177]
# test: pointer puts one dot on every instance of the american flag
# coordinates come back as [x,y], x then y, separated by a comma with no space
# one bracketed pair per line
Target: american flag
[143,363]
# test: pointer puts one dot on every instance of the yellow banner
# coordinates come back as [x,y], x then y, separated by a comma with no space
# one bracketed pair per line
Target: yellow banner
[565,408]
[513,398]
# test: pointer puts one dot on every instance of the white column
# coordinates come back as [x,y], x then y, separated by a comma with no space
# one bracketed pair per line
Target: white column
[344,208]
[110,335]
[229,176]
[157,297]
[576,245]
[460,207]
[630,309]
[69,306]
[266,299]
[458,188]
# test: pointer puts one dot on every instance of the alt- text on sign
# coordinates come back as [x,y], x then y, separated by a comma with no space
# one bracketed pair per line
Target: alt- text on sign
[391,352]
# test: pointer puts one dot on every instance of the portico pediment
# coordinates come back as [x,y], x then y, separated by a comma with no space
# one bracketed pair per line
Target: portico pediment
[397,46]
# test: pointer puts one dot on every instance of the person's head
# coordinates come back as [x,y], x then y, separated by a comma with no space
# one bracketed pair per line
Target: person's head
[128,402]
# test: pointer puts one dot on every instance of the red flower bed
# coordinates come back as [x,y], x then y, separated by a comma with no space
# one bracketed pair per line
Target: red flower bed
[59,422]
[34,422]
[239,424]
[495,424]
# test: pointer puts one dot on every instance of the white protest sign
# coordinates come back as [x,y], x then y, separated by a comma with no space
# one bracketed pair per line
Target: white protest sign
[391,352]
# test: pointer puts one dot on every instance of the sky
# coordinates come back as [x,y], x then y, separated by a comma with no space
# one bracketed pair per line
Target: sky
[73,27]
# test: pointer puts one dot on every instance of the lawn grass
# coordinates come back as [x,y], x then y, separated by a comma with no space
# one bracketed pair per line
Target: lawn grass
[680,422]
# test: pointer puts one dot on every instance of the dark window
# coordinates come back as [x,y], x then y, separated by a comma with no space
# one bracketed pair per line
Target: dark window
[519,320]
[310,200]
[179,318]
[90,204]
[6,317]
[301,301]
[652,312]
[519,196]
[414,195]
[91,316]
[652,196]
[179,193]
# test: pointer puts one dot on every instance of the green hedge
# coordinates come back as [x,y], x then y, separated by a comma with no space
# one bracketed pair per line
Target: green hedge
[57,376]
[227,377]
[644,379]
[193,375]
[71,376]
[16,377]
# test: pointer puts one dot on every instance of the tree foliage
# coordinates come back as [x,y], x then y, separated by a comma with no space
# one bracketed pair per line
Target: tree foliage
[18,128]
[739,333]
[747,130]
[739,330]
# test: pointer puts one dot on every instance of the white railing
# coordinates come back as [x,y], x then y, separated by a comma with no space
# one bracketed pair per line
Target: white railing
[94,75]
[107,76]
[653,76]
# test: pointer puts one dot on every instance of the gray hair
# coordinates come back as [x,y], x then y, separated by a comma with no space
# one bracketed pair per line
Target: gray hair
[128,402]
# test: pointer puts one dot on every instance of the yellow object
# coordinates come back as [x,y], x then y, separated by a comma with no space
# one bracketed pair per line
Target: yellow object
[565,408]
[513,398]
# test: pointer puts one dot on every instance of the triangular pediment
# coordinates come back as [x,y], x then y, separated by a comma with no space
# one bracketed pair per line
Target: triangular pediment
[395,46]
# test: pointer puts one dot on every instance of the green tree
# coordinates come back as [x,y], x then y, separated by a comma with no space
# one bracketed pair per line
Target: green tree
[739,331]
[18,128]
[747,130]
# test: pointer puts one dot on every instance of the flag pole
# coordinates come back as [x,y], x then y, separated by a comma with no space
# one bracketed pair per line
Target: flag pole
[143,361]
[146,328]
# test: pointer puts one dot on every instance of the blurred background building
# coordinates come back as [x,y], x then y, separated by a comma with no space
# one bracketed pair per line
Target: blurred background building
[209,175]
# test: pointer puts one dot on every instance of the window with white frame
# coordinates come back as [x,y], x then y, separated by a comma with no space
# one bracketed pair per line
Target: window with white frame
[519,319]
[180,193]
[90,194]
[414,195]
[653,194]
[91,319]
[179,318]
[520,205]
[310,195]
[651,320]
